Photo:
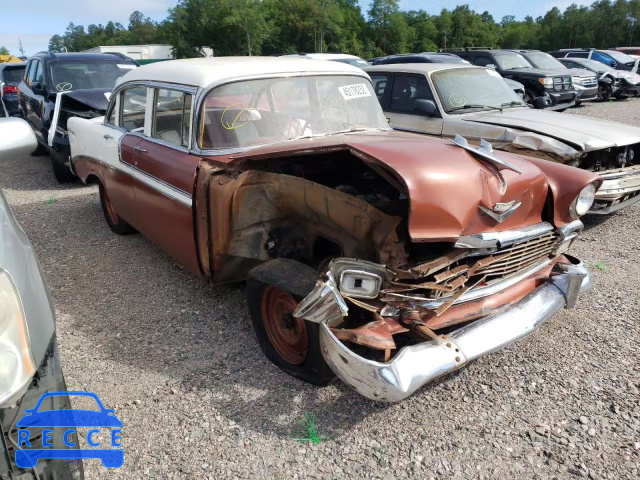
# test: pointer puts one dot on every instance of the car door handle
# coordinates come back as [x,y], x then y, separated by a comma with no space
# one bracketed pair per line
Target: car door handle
[107,137]
[139,149]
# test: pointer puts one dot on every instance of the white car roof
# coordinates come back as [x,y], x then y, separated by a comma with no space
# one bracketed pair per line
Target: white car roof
[417,67]
[203,72]
[324,56]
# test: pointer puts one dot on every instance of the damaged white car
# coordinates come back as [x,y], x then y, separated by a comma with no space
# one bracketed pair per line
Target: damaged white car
[446,100]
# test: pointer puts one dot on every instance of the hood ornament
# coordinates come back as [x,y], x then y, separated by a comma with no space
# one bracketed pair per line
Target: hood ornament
[485,152]
[501,211]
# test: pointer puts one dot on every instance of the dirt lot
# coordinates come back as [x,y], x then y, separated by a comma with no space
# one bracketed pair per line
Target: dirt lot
[178,361]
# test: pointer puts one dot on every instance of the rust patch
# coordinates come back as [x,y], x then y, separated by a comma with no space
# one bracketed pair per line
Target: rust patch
[377,334]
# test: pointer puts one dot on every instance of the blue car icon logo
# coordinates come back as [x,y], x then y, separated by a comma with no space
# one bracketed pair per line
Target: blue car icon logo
[27,455]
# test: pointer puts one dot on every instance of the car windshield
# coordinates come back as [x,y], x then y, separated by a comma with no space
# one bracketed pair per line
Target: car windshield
[78,75]
[258,112]
[356,62]
[619,56]
[544,60]
[465,89]
[12,76]
[509,61]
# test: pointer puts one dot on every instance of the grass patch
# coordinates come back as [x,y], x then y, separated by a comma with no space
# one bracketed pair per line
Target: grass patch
[51,200]
[601,266]
[309,430]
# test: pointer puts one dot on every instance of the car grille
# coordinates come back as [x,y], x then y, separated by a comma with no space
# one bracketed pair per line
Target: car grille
[589,81]
[562,83]
[517,257]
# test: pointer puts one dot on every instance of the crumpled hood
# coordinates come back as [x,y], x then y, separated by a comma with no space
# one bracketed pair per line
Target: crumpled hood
[446,184]
[96,98]
[582,133]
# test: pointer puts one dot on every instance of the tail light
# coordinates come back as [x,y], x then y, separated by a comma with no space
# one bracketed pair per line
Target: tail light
[9,89]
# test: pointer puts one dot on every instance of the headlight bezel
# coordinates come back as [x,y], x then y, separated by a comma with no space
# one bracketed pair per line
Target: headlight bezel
[583,202]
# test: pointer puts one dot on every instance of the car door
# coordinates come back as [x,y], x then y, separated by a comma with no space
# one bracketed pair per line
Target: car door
[164,173]
[405,89]
[36,105]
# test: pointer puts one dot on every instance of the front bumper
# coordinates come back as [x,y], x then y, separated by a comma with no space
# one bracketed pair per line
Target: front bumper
[619,190]
[416,365]
[586,93]
[561,100]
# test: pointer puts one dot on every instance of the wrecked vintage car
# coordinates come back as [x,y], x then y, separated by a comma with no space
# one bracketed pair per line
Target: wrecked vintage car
[384,257]
[446,100]
[57,86]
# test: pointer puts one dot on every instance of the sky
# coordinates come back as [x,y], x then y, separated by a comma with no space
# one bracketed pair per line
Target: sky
[35,21]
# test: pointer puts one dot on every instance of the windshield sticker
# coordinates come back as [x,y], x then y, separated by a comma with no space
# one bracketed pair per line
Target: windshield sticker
[358,90]
[126,66]
[108,95]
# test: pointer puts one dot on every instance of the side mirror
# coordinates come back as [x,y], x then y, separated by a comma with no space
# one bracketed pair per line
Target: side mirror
[614,64]
[37,88]
[426,107]
[16,138]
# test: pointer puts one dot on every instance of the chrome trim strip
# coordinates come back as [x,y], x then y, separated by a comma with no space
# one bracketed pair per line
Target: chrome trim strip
[503,238]
[616,207]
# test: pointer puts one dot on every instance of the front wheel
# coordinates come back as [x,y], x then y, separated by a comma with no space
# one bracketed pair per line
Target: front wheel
[115,222]
[292,344]
[604,93]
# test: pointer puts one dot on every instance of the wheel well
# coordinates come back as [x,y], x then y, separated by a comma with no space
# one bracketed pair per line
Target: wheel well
[93,180]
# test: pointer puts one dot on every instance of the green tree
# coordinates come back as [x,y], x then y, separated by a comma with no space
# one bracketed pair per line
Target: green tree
[247,16]
[4,51]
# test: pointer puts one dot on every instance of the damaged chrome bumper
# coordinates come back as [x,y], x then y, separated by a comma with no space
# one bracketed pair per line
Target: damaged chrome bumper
[416,365]
[619,190]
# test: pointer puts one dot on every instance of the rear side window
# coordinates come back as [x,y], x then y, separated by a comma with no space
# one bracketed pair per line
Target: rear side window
[134,106]
[606,59]
[172,116]
[12,76]
[578,54]
[406,90]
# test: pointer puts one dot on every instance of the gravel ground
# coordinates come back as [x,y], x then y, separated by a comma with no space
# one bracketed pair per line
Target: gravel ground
[178,361]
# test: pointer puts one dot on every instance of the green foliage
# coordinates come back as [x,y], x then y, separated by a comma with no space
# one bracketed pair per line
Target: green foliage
[4,51]
[309,427]
[265,27]
[601,266]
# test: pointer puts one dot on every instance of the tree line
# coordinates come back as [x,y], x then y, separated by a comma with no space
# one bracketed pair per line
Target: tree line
[266,27]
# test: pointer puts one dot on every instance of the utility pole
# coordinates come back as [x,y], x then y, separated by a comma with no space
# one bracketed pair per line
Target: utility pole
[21,49]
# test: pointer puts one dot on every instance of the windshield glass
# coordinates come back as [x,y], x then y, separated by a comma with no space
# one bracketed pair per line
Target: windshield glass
[13,76]
[461,90]
[257,112]
[66,76]
[619,56]
[544,60]
[507,61]
[356,62]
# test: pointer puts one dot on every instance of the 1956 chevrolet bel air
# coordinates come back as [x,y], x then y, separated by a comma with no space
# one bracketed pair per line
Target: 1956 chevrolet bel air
[385,257]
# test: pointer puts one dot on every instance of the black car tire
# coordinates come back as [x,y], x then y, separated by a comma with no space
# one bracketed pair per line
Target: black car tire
[604,93]
[61,172]
[308,366]
[115,222]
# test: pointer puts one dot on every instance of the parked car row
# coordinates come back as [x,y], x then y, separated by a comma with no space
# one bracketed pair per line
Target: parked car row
[382,238]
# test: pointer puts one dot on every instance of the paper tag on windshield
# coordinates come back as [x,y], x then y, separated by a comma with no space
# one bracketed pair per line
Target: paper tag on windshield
[357,90]
[126,66]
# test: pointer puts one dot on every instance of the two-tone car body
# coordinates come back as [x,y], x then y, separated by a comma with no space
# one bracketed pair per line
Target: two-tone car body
[447,100]
[358,242]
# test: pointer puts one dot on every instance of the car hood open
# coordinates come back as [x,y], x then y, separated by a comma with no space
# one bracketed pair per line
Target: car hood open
[581,133]
[97,98]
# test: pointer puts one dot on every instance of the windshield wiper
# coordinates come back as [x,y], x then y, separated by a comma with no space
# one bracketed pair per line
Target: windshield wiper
[347,130]
[513,103]
[475,105]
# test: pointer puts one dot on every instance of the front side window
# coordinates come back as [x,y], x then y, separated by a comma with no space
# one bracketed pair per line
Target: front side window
[133,108]
[80,75]
[511,61]
[483,61]
[606,59]
[172,116]
[463,90]
[406,90]
[257,112]
[35,72]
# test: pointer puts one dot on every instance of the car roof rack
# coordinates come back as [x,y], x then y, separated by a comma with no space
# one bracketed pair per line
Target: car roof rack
[462,49]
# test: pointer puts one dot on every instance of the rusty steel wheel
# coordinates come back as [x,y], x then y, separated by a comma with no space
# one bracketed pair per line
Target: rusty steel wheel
[287,334]
[115,222]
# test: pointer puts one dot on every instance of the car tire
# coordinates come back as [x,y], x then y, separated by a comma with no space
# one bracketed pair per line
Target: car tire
[293,345]
[604,93]
[61,172]
[115,222]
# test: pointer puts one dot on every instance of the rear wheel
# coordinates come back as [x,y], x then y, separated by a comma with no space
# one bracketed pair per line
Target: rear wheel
[115,222]
[293,344]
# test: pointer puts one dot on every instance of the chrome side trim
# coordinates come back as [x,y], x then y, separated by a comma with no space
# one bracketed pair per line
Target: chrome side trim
[503,238]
